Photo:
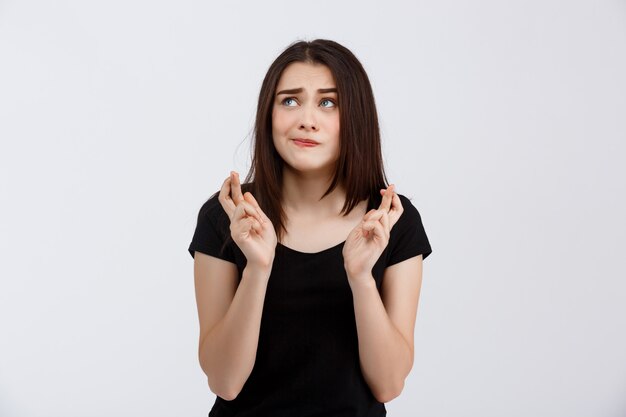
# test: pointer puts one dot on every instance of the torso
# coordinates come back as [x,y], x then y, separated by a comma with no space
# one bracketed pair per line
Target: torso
[312,235]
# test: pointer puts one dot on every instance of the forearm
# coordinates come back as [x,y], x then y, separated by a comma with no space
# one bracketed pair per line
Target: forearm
[385,355]
[228,352]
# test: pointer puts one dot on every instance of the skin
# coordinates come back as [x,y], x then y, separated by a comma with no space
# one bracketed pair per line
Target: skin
[385,321]
[250,227]
[307,172]
[254,233]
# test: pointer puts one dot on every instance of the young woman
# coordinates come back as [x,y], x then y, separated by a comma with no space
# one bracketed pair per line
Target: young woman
[308,273]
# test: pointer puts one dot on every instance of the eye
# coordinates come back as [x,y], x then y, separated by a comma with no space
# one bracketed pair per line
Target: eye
[286,100]
[330,101]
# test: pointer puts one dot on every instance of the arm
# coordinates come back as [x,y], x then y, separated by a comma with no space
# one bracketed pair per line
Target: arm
[229,329]
[230,312]
[385,326]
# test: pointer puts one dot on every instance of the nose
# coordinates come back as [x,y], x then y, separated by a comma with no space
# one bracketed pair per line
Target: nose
[308,121]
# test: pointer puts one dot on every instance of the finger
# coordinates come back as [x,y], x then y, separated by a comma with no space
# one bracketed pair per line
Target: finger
[224,198]
[373,215]
[384,220]
[250,199]
[256,226]
[385,204]
[379,230]
[396,210]
[367,215]
[247,225]
[245,209]
[237,196]
[367,228]
[381,217]
[253,224]
[376,228]
[373,219]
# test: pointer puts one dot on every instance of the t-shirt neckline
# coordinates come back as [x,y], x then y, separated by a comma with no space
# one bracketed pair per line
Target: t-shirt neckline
[338,245]
[312,253]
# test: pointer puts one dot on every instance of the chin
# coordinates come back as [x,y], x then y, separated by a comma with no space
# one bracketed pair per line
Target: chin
[309,168]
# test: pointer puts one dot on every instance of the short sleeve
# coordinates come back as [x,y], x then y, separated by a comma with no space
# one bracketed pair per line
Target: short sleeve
[212,230]
[408,237]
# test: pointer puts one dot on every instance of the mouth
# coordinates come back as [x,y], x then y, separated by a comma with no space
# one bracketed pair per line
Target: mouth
[305,141]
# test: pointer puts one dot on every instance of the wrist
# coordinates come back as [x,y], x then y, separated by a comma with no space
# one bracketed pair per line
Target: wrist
[362,286]
[357,274]
[360,278]
[260,269]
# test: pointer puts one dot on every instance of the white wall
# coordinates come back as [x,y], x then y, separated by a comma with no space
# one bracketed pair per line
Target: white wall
[505,121]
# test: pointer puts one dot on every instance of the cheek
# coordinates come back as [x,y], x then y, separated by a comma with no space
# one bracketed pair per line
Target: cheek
[334,125]
[280,120]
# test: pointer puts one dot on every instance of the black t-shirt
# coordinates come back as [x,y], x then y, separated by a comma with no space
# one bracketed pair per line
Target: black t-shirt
[307,360]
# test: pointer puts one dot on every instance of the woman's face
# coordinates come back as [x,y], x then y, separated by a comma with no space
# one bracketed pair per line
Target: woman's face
[302,111]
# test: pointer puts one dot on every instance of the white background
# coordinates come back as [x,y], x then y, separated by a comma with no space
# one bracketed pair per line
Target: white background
[504,121]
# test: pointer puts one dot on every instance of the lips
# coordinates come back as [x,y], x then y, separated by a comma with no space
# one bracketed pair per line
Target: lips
[306,140]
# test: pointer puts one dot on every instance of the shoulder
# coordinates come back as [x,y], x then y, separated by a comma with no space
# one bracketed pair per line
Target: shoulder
[410,214]
[408,236]
[213,213]
[212,208]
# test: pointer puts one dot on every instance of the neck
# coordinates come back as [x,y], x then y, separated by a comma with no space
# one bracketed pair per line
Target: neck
[302,193]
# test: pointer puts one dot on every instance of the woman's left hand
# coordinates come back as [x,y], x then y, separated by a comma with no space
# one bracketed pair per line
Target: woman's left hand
[368,240]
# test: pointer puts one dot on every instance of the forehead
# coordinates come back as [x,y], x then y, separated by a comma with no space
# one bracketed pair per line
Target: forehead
[300,74]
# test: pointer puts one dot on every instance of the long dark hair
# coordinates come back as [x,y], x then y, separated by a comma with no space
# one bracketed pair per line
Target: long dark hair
[360,164]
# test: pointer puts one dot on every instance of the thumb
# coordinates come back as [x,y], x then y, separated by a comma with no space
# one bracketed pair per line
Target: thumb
[250,199]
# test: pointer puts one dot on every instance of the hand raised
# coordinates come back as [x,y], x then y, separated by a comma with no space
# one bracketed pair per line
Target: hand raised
[368,240]
[250,228]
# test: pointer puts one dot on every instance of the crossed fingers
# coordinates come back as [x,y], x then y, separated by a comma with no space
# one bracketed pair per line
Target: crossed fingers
[387,213]
[235,203]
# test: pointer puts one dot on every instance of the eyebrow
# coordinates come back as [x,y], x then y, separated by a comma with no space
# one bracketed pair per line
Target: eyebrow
[299,90]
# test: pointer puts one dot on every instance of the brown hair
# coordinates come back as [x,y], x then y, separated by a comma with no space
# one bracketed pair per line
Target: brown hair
[360,164]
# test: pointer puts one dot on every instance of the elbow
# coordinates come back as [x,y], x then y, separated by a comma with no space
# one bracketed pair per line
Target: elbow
[393,390]
[224,392]
[222,388]
[390,394]
[229,396]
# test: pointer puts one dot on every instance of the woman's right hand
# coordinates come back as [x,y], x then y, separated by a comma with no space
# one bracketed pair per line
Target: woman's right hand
[250,228]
